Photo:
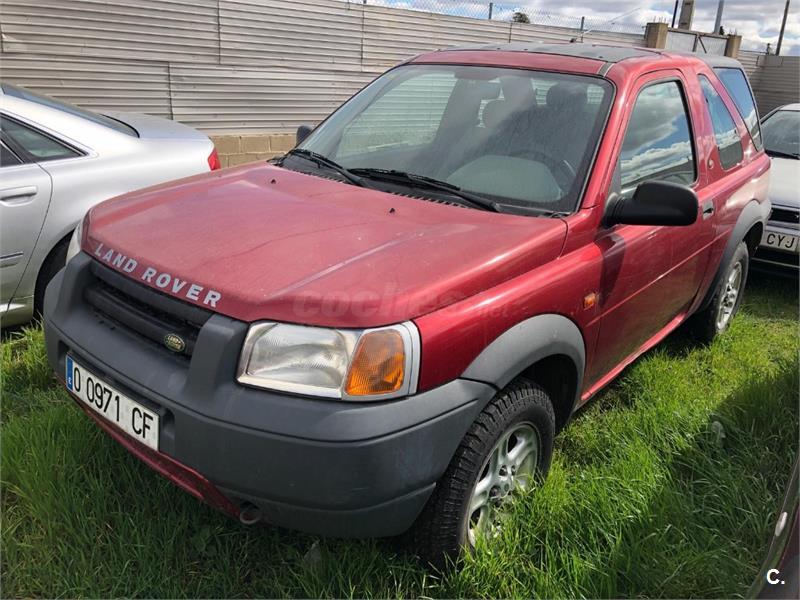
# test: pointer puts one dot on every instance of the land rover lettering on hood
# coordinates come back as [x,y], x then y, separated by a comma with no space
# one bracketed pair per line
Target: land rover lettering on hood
[165,281]
[384,329]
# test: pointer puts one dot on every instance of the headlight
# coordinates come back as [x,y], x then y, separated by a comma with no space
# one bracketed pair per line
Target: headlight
[75,241]
[351,364]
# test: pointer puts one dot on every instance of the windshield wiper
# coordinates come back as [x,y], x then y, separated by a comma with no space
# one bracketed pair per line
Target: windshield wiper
[324,161]
[781,154]
[475,200]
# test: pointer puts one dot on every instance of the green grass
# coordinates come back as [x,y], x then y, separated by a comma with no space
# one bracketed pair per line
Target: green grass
[665,486]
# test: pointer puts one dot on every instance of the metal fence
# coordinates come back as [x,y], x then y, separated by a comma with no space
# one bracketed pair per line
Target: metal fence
[632,22]
[231,66]
[240,66]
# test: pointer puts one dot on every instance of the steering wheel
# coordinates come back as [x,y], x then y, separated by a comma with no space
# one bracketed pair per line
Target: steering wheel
[563,172]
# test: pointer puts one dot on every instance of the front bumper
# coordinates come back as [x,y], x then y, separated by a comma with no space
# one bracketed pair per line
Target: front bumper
[327,467]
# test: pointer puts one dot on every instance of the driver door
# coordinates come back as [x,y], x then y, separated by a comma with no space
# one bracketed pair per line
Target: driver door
[651,274]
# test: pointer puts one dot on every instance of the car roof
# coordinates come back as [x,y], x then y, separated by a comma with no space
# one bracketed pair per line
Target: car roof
[606,53]
[793,106]
[712,60]
[575,50]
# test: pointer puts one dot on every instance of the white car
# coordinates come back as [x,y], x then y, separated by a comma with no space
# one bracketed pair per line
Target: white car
[780,244]
[56,162]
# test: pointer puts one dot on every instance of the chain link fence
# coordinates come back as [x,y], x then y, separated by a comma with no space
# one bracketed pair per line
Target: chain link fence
[501,11]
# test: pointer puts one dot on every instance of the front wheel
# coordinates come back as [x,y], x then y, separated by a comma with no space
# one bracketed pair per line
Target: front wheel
[717,316]
[506,449]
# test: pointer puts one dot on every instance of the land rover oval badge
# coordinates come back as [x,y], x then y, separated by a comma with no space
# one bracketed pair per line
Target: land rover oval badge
[174,342]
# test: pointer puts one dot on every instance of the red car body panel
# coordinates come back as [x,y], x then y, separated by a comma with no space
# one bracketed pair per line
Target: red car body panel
[285,246]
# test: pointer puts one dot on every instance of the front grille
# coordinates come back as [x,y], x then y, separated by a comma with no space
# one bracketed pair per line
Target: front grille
[143,311]
[785,215]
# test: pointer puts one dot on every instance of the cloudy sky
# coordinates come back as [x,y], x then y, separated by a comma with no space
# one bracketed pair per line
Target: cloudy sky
[757,21]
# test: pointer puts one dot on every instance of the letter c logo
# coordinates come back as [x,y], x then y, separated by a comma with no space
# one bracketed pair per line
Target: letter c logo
[773,580]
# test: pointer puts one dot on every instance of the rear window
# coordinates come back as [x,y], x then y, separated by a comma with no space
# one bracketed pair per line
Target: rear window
[736,84]
[18,92]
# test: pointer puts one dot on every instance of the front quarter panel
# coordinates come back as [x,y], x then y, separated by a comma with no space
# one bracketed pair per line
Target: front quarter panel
[525,344]
[455,336]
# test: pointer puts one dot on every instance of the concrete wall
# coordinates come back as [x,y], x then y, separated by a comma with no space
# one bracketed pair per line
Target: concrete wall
[235,149]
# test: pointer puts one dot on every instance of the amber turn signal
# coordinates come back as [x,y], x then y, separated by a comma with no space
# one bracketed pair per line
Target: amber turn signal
[378,365]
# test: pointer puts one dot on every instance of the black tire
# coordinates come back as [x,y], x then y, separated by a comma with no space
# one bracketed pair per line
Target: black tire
[705,325]
[54,262]
[440,532]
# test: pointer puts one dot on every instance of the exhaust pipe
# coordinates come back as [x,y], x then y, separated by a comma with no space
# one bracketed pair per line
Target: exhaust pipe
[249,514]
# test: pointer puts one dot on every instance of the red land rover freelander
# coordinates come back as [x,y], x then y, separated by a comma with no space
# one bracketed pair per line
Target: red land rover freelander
[384,329]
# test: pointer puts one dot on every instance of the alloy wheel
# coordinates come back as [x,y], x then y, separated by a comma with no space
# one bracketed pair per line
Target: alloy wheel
[730,295]
[510,467]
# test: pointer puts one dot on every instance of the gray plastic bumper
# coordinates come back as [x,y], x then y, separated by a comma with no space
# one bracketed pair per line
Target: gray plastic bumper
[328,467]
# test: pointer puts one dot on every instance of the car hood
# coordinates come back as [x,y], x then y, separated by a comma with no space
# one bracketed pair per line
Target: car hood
[784,182]
[155,128]
[261,242]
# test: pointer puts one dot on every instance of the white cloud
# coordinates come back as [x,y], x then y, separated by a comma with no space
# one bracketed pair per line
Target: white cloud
[757,22]
[676,157]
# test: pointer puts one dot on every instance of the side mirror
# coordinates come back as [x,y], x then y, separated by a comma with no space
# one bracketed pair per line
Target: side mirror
[302,133]
[656,203]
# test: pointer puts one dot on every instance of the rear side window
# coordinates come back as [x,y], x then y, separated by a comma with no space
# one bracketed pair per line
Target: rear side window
[35,143]
[725,132]
[736,84]
[658,141]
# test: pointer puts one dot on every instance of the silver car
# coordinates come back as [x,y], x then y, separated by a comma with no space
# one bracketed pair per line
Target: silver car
[56,162]
[780,244]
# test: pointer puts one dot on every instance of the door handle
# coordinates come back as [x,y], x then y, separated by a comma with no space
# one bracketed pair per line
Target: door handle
[708,208]
[17,193]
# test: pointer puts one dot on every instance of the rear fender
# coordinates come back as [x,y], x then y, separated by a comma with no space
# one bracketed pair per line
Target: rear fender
[753,213]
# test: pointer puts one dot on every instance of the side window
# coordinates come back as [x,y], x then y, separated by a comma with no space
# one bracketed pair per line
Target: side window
[725,132]
[408,114]
[658,141]
[7,158]
[38,145]
[739,90]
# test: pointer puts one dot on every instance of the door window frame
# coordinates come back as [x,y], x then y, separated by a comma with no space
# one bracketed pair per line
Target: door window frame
[652,79]
[11,151]
[759,146]
[27,157]
[738,121]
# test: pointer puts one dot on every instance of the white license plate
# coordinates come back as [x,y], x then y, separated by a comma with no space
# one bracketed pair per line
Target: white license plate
[781,241]
[134,419]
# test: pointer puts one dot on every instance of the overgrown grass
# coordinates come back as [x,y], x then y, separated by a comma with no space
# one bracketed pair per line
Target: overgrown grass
[665,486]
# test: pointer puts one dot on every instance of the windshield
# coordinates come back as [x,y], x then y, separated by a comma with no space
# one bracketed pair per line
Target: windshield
[71,109]
[781,132]
[520,138]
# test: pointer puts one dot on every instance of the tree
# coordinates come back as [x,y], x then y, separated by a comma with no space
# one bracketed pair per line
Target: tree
[520,17]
